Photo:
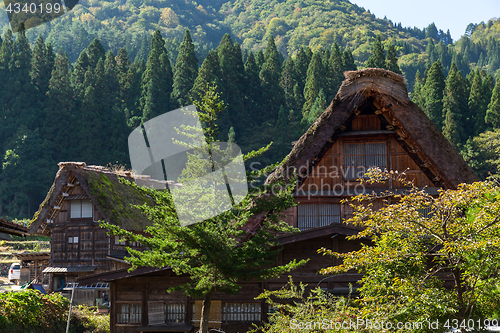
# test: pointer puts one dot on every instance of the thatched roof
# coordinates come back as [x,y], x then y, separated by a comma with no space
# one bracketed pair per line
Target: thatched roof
[112,198]
[12,228]
[385,89]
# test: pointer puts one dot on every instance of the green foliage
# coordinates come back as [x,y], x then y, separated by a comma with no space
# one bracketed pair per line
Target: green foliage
[482,153]
[294,304]
[85,319]
[377,59]
[432,94]
[493,111]
[456,109]
[419,239]
[29,311]
[217,252]
[186,69]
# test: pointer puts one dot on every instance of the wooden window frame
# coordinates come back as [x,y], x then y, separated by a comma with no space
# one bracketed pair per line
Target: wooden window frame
[129,315]
[238,313]
[318,215]
[80,216]
[346,171]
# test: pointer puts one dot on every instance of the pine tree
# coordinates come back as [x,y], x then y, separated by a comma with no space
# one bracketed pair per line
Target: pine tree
[377,59]
[432,94]
[317,108]
[477,104]
[208,74]
[417,90]
[301,64]
[78,76]
[185,72]
[143,52]
[391,60]
[41,66]
[287,82]
[59,117]
[272,93]
[455,108]
[348,61]
[253,91]
[493,111]
[154,101]
[133,111]
[259,59]
[314,83]
[335,72]
[95,52]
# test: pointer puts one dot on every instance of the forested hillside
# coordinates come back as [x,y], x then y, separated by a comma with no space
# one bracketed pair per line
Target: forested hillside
[70,96]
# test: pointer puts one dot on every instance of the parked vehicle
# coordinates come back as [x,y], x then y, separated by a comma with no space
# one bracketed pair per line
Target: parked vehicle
[15,272]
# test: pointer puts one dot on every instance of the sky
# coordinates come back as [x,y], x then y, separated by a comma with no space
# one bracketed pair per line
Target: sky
[446,14]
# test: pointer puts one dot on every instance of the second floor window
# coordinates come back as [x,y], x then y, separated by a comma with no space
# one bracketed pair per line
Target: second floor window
[359,157]
[81,209]
[317,215]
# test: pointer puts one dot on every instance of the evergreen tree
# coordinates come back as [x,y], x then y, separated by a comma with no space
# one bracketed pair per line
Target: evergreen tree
[95,52]
[253,91]
[432,94]
[493,111]
[377,59]
[301,64]
[272,93]
[318,108]
[348,61]
[133,112]
[417,90]
[41,66]
[208,74]
[78,76]
[59,117]
[455,108]
[287,82]
[392,60]
[335,73]
[477,104]
[185,72]
[143,52]
[259,59]
[112,84]
[314,83]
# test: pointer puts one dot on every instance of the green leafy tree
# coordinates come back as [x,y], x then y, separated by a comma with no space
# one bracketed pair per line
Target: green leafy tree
[377,59]
[185,72]
[482,153]
[218,252]
[419,239]
[432,94]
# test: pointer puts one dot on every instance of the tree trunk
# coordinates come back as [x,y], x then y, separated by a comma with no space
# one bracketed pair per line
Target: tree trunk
[205,312]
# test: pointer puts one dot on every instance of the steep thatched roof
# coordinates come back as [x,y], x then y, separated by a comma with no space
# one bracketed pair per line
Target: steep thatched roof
[387,90]
[12,228]
[112,198]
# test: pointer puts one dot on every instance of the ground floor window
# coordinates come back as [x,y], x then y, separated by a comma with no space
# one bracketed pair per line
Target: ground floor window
[241,312]
[129,314]
[175,312]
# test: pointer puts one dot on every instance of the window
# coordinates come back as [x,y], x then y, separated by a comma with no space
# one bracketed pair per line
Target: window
[119,241]
[73,240]
[81,209]
[241,312]
[175,312]
[317,215]
[129,314]
[359,157]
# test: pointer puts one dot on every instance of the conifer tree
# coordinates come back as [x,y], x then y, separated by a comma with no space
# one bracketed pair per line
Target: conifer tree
[154,101]
[455,108]
[143,52]
[477,104]
[432,94]
[41,66]
[377,59]
[253,91]
[335,73]
[133,112]
[272,93]
[391,62]
[287,82]
[78,76]
[348,61]
[493,111]
[59,116]
[185,72]
[95,52]
[317,108]
[208,74]
[301,64]
[314,83]
[259,59]
[417,90]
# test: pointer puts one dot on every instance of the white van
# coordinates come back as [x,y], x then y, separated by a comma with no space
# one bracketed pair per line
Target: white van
[15,272]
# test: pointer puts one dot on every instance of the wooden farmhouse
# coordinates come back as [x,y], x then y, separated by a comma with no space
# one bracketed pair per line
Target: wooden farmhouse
[370,123]
[80,196]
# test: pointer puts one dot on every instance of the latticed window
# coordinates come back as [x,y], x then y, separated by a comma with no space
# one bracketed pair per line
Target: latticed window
[241,312]
[359,157]
[129,313]
[81,209]
[175,312]
[317,215]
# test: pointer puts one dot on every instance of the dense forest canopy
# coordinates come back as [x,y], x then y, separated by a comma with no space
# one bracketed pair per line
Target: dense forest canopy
[74,88]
